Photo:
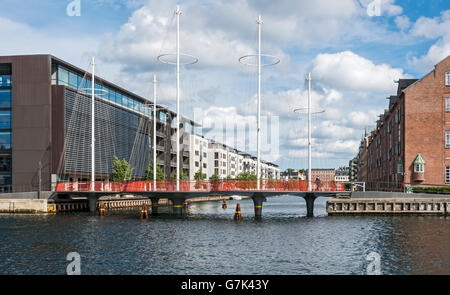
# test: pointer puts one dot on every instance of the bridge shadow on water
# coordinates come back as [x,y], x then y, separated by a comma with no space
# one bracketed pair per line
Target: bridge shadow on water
[281,208]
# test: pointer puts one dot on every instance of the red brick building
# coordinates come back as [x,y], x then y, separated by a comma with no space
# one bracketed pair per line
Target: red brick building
[411,142]
[322,174]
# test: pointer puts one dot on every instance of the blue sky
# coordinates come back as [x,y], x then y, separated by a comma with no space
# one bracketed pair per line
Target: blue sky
[353,57]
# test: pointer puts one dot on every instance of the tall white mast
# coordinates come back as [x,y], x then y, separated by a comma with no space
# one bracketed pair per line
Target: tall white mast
[93,127]
[154,132]
[258,138]
[178,13]
[192,60]
[275,60]
[309,131]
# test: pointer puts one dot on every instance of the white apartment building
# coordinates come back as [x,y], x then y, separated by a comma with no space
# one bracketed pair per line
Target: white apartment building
[198,155]
[249,164]
[218,159]
[214,157]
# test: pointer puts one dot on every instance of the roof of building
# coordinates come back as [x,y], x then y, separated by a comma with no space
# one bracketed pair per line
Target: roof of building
[121,89]
[419,159]
[417,80]
[392,101]
[404,83]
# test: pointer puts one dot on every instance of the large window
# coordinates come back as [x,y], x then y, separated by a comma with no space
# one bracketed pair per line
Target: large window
[5,124]
[419,168]
[76,81]
[163,117]
[447,139]
[5,141]
[5,75]
[5,80]
[5,119]
[5,163]
[63,76]
[5,98]
[112,95]
[73,80]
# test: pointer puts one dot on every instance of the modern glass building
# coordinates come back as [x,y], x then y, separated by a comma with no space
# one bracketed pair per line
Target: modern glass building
[5,128]
[45,126]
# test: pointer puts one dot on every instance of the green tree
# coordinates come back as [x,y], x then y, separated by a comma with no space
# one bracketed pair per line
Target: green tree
[121,171]
[182,176]
[159,172]
[246,176]
[215,176]
[199,175]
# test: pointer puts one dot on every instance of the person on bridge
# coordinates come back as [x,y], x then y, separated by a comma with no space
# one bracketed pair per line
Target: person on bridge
[317,183]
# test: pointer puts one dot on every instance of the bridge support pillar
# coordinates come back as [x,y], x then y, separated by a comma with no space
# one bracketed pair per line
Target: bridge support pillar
[258,200]
[178,205]
[154,205]
[92,203]
[310,198]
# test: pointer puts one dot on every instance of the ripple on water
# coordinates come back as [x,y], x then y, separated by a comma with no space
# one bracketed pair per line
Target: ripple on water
[209,241]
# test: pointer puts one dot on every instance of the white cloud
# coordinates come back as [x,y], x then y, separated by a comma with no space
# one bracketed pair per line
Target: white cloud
[363,119]
[402,22]
[432,28]
[349,71]
[218,32]
[19,38]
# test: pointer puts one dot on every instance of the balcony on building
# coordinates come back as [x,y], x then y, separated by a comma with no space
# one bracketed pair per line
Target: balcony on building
[419,169]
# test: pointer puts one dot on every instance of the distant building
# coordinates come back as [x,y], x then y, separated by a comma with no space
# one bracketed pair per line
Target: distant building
[342,174]
[353,169]
[322,174]
[228,162]
[296,174]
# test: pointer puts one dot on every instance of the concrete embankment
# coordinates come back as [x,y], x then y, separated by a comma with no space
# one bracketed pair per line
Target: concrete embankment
[27,202]
[379,203]
[34,203]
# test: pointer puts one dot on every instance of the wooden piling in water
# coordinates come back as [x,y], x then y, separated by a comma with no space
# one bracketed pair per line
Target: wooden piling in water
[238,213]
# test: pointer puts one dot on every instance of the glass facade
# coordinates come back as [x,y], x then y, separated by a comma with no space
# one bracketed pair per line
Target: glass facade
[5,98]
[74,80]
[117,133]
[5,119]
[5,128]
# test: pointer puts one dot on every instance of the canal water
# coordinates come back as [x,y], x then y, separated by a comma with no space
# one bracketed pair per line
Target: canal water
[209,241]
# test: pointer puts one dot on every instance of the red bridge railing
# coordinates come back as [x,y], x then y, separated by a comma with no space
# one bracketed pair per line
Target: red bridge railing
[199,186]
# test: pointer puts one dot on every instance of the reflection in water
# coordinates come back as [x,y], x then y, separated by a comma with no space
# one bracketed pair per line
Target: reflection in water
[209,241]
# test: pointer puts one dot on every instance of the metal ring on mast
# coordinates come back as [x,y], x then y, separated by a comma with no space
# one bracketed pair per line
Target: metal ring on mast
[194,59]
[299,110]
[178,63]
[276,60]
[259,65]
